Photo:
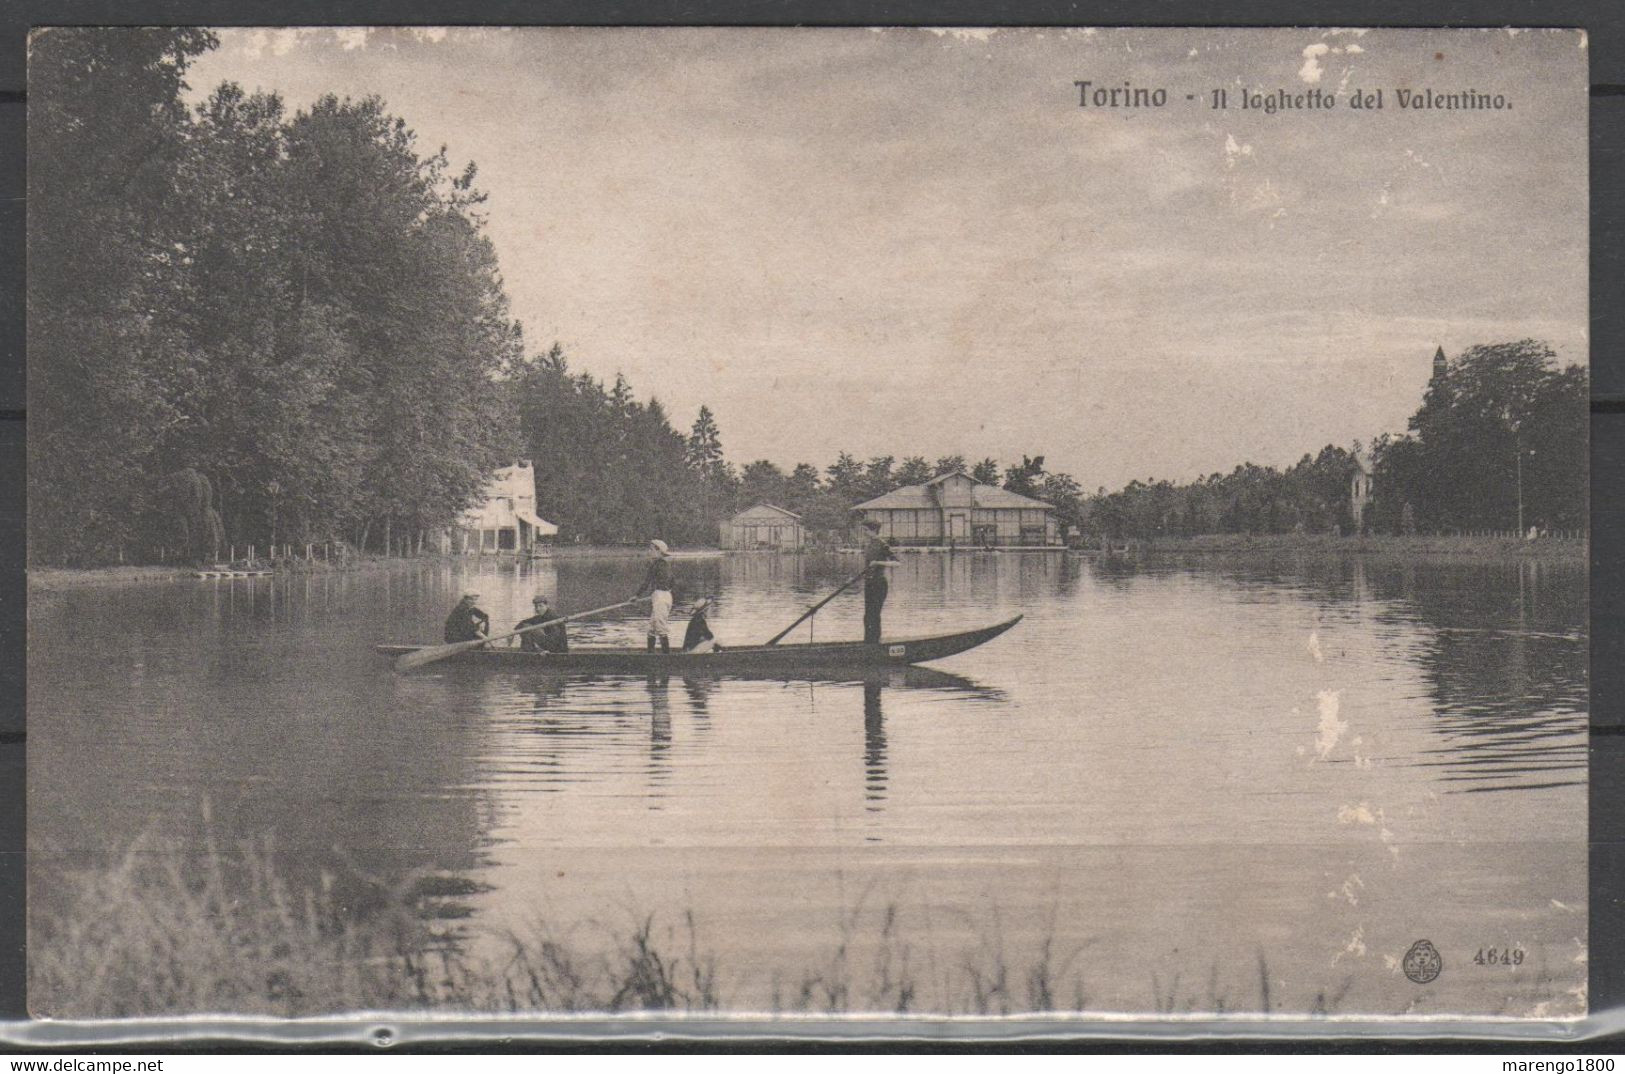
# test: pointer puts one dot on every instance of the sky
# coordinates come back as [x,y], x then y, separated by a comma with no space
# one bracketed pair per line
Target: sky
[910,241]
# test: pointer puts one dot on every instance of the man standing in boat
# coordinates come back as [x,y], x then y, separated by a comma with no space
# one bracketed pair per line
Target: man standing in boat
[877,560]
[466,621]
[548,639]
[657,586]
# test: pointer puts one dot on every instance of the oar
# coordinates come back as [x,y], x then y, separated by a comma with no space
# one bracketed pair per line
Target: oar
[418,657]
[811,611]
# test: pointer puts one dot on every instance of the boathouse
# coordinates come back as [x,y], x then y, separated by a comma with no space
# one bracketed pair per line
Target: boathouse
[764,526]
[506,523]
[956,510]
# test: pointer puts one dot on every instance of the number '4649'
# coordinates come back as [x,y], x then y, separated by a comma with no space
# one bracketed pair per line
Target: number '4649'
[1499,956]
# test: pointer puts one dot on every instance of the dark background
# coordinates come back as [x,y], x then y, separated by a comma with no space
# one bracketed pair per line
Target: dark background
[1603,19]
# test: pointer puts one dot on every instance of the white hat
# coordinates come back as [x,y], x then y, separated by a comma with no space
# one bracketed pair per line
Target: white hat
[660,546]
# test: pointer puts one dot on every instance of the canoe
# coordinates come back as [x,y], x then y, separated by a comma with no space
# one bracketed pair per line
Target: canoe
[820,656]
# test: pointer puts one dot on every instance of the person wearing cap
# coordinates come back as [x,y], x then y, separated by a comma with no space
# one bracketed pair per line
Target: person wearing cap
[698,637]
[657,586]
[548,639]
[466,621]
[877,560]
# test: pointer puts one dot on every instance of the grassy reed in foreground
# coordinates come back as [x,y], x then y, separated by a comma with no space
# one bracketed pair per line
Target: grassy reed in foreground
[166,931]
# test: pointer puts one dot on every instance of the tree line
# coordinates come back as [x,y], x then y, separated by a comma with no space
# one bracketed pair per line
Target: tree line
[255,326]
[247,325]
[1499,443]
[825,498]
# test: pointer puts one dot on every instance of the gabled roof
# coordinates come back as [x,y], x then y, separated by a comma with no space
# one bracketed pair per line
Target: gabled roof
[770,507]
[909,496]
[920,498]
[989,496]
[940,478]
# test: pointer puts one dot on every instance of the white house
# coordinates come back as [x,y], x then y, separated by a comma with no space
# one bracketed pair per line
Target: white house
[507,522]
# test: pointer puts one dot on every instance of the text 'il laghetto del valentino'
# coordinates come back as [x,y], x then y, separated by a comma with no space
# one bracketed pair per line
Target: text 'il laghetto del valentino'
[1126,95]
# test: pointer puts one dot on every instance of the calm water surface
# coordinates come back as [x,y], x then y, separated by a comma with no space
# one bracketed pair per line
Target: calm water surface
[1185,775]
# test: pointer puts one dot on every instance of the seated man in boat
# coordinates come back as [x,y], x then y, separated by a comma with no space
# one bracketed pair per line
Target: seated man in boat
[466,621]
[551,639]
[698,637]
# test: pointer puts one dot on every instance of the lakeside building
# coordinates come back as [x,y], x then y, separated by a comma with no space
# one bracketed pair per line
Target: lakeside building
[764,526]
[507,522]
[1360,491]
[955,509]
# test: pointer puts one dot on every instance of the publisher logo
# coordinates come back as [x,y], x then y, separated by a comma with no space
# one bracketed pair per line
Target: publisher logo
[1422,962]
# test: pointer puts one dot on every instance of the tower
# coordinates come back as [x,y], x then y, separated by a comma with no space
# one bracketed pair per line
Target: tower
[1438,364]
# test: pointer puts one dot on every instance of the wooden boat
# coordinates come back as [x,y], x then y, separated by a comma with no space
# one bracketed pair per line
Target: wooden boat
[787,660]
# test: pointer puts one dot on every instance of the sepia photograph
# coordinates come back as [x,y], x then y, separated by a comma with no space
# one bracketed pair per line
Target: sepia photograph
[1039,526]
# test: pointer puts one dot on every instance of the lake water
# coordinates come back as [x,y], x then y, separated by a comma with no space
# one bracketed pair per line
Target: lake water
[1197,784]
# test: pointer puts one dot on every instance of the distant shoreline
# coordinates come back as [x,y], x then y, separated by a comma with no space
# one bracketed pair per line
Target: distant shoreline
[1484,549]
[48,579]
[1487,549]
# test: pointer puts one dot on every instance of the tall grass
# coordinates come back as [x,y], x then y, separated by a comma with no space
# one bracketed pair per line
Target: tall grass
[165,931]
[169,930]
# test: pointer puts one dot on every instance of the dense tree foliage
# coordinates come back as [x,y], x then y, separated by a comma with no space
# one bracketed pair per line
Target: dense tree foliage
[1502,434]
[108,133]
[1311,496]
[248,326]
[296,317]
[1504,426]
[610,469]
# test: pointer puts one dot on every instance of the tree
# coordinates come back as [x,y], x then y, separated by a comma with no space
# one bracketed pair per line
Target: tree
[986,472]
[703,455]
[801,487]
[828,517]
[264,327]
[914,470]
[1503,419]
[761,482]
[1319,488]
[405,259]
[109,367]
[1064,492]
[1554,437]
[1024,479]
[877,477]
[186,503]
[952,464]
[845,478]
[704,443]
[610,469]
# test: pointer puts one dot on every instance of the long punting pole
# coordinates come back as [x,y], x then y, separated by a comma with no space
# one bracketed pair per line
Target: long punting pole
[810,612]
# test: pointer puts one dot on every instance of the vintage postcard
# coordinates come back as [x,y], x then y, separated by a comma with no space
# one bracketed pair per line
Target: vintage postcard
[808,524]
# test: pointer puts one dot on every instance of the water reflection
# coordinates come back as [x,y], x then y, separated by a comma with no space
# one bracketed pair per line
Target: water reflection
[569,733]
[1167,704]
[699,691]
[659,687]
[1501,646]
[874,747]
